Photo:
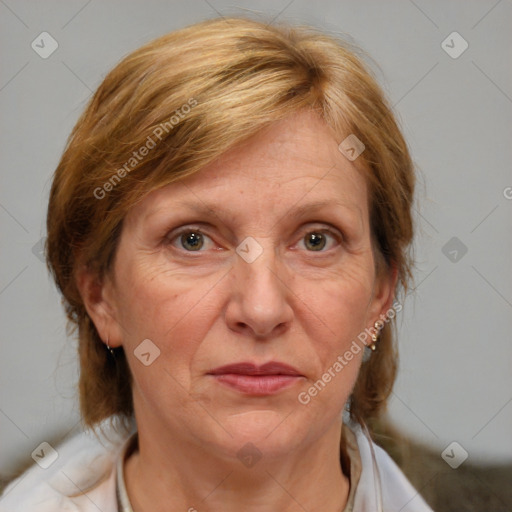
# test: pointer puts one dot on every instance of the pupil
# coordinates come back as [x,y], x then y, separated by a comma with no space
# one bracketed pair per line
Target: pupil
[316,241]
[192,241]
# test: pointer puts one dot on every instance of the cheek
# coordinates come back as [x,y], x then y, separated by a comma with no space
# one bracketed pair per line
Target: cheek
[164,309]
[162,306]
[339,305]
[338,309]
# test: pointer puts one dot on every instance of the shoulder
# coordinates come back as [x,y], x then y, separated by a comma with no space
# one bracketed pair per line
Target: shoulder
[380,476]
[81,478]
[398,493]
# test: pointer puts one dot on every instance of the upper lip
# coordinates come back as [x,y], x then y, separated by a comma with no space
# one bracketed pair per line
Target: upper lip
[247,368]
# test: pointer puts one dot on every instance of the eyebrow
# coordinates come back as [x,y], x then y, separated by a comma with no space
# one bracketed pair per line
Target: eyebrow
[297,212]
[306,209]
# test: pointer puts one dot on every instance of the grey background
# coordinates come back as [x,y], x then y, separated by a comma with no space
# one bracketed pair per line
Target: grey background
[455,382]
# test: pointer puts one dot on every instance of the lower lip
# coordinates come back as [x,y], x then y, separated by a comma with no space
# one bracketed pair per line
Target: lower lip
[258,385]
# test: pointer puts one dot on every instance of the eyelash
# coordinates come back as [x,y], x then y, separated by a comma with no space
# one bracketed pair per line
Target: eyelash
[190,229]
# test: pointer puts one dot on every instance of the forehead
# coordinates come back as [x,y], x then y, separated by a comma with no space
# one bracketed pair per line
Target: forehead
[299,146]
[295,161]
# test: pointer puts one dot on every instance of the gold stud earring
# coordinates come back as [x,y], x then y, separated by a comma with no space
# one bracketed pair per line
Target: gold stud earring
[375,336]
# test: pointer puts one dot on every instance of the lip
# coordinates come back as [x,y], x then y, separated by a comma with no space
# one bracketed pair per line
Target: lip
[251,379]
[248,368]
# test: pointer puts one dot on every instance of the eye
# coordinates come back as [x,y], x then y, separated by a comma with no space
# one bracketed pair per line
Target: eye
[317,240]
[191,240]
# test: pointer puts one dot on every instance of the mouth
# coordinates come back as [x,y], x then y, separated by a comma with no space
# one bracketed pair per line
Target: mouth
[251,379]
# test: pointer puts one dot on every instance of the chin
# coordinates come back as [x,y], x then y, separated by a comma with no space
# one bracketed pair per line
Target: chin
[273,433]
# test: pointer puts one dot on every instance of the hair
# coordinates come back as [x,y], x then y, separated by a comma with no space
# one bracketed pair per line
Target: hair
[188,97]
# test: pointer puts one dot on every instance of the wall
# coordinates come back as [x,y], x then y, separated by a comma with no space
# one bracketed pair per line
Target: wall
[456,111]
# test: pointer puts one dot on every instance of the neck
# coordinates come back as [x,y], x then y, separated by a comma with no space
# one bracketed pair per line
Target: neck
[165,474]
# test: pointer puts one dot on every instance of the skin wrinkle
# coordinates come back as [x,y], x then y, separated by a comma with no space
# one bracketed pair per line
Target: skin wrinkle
[290,305]
[159,217]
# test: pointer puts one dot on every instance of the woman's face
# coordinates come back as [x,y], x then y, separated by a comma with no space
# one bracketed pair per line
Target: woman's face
[262,257]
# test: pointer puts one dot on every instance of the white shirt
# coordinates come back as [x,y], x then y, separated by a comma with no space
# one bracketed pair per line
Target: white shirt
[83,478]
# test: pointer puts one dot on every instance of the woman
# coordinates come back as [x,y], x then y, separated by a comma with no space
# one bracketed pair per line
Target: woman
[229,226]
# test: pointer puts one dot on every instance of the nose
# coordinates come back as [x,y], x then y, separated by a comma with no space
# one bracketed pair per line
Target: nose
[259,304]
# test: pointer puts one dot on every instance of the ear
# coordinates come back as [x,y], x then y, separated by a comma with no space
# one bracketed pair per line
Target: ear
[99,301]
[383,293]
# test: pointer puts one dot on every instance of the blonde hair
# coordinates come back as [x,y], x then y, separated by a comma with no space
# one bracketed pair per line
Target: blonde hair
[204,89]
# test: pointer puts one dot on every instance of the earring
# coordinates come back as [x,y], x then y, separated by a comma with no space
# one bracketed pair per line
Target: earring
[375,336]
[372,347]
[109,348]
